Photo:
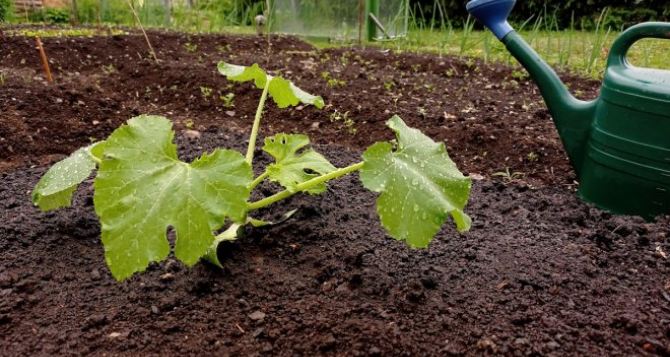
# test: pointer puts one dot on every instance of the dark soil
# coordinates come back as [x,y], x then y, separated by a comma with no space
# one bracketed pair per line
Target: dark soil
[540,272]
[489,120]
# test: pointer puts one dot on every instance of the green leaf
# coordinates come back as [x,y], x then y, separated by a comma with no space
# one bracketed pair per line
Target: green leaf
[142,188]
[294,164]
[419,185]
[55,188]
[283,92]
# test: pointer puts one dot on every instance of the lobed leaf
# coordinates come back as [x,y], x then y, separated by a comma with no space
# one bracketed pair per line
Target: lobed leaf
[419,185]
[294,164]
[142,188]
[283,92]
[56,187]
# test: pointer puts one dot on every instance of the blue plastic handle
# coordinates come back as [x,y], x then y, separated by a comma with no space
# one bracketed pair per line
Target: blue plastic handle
[493,14]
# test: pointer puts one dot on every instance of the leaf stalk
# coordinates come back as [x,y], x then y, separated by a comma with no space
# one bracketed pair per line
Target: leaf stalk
[258,180]
[304,186]
[257,123]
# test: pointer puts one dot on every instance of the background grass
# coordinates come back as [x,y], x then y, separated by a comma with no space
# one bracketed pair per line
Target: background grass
[580,51]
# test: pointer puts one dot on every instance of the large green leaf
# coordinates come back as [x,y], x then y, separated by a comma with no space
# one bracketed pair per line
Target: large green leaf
[293,163]
[55,188]
[142,188]
[419,185]
[283,92]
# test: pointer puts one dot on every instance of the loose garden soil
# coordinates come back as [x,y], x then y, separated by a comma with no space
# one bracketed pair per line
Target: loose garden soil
[540,272]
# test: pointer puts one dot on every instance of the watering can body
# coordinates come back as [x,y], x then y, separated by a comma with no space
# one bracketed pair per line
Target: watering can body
[618,144]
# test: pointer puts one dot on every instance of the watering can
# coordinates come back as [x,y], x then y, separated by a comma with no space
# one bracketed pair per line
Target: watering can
[619,143]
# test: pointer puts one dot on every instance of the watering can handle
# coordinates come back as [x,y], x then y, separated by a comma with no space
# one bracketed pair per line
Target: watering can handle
[624,42]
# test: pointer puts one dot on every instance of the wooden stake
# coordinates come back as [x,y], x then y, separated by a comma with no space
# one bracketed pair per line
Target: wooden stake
[45,61]
[137,18]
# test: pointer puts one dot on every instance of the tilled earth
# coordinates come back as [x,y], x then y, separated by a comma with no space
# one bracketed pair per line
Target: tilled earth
[539,273]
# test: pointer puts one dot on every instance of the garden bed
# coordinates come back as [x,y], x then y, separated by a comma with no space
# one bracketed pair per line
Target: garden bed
[540,271]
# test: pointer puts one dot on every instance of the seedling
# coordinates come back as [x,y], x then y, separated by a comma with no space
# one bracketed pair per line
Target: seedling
[519,74]
[228,100]
[190,47]
[142,187]
[206,91]
[344,118]
[223,48]
[509,177]
[332,81]
[108,69]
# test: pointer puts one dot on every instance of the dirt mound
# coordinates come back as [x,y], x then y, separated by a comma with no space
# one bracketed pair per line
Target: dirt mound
[540,273]
[490,116]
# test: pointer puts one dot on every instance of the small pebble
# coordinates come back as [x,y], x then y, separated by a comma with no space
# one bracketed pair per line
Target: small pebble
[257,315]
[192,134]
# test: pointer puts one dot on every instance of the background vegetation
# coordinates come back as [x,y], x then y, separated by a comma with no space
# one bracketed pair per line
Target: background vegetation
[574,34]
[5,10]
[583,14]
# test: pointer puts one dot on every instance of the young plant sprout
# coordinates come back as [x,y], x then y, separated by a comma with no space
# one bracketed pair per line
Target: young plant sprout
[142,188]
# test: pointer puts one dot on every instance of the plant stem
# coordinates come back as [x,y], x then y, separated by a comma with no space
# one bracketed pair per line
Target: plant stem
[304,186]
[258,180]
[257,123]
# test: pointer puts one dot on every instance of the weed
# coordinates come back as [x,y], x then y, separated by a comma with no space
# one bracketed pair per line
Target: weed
[228,100]
[206,91]
[344,118]
[109,69]
[190,47]
[509,177]
[520,74]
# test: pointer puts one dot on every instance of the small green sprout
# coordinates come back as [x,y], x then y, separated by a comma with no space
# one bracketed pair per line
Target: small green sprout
[334,83]
[190,47]
[142,188]
[509,177]
[331,81]
[344,118]
[206,91]
[109,69]
[224,48]
[519,74]
[228,100]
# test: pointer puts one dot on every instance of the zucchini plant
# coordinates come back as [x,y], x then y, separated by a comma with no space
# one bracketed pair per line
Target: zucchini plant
[142,188]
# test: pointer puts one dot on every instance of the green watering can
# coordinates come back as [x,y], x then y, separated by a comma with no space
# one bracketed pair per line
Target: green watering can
[619,144]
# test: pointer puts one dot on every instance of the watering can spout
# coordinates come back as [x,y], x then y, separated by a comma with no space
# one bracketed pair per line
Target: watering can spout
[573,117]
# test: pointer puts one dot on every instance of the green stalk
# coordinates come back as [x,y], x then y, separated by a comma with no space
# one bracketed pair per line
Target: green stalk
[92,157]
[258,180]
[304,186]
[257,123]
